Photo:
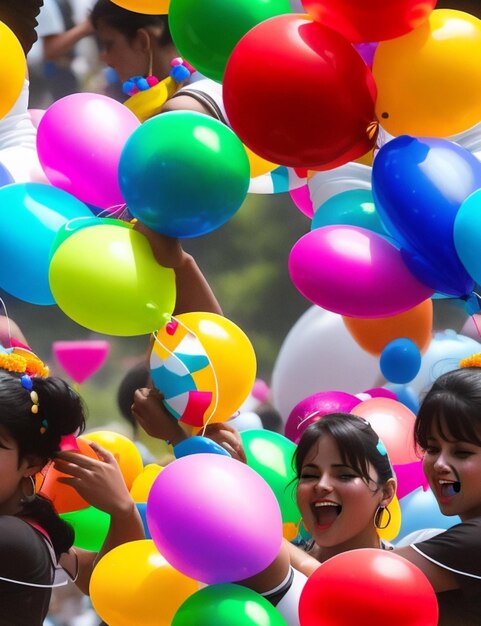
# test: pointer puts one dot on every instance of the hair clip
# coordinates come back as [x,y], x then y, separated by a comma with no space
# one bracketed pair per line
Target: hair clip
[27,384]
[22,361]
[471,361]
[381,448]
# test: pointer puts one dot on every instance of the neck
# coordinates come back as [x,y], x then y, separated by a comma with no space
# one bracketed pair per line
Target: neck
[369,539]
[161,62]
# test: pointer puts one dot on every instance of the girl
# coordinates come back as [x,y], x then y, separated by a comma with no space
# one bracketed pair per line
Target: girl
[38,416]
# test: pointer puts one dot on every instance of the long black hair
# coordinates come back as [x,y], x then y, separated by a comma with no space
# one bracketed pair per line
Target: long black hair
[60,412]
[453,407]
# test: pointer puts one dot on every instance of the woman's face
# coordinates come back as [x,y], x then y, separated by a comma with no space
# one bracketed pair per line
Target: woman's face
[453,469]
[127,57]
[12,474]
[336,504]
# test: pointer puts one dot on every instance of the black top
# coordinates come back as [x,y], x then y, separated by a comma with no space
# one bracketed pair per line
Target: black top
[458,549]
[24,556]
[21,17]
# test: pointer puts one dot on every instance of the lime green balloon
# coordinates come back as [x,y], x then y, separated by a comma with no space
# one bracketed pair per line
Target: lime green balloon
[72,226]
[90,526]
[107,279]
[205,32]
[227,605]
[270,455]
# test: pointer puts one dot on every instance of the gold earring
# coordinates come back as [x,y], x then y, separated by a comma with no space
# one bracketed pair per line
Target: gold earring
[379,515]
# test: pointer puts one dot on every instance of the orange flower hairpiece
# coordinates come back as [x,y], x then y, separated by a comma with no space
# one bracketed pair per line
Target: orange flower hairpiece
[23,362]
[471,361]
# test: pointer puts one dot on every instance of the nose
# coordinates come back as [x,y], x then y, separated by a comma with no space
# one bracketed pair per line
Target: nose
[324,484]
[441,464]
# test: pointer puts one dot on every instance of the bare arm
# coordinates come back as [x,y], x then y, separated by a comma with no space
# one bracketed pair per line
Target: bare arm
[302,561]
[54,46]
[185,103]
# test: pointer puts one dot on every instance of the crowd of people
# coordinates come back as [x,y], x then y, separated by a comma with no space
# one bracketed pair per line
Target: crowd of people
[345,481]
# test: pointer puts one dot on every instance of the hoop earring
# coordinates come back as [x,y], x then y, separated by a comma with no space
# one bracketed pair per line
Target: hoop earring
[379,515]
[30,497]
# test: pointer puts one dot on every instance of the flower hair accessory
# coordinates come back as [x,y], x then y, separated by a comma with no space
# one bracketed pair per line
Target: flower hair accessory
[471,361]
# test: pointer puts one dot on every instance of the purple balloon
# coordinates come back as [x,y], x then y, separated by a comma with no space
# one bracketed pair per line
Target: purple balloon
[214,519]
[314,407]
[366,51]
[354,272]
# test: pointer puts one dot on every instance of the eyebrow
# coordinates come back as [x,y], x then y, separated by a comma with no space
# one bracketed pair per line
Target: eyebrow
[335,465]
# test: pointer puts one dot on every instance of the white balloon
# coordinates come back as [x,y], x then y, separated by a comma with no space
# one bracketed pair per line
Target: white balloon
[443,355]
[325,185]
[246,420]
[319,354]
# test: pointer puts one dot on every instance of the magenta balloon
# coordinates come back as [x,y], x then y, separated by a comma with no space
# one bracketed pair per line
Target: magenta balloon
[314,407]
[381,392]
[80,139]
[355,272]
[81,359]
[214,519]
[302,199]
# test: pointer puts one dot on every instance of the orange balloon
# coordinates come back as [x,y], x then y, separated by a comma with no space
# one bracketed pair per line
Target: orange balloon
[394,424]
[64,498]
[373,335]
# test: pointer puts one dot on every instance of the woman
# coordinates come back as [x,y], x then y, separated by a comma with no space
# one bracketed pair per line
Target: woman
[38,417]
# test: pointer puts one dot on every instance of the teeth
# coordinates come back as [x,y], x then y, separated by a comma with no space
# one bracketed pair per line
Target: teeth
[446,482]
[318,504]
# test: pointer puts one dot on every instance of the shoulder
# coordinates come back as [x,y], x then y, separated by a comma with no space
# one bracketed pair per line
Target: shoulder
[23,549]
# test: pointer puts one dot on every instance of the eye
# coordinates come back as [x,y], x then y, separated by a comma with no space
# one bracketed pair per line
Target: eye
[431,450]
[463,454]
[307,476]
[347,477]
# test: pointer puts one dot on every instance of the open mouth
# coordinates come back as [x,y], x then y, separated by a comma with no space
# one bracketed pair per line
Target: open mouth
[326,512]
[449,488]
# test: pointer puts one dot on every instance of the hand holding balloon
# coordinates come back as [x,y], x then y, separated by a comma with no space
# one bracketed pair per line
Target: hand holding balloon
[149,411]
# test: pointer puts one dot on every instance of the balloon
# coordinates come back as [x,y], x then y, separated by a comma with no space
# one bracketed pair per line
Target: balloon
[5,176]
[406,395]
[120,289]
[368,587]
[258,165]
[420,510]
[124,451]
[36,115]
[354,207]
[227,605]
[214,518]
[324,185]
[72,226]
[90,526]
[409,477]
[419,185]
[206,33]
[79,141]
[391,530]
[134,584]
[280,180]
[370,20]
[81,359]
[400,360]
[324,262]
[205,367]
[12,69]
[270,455]
[31,214]
[313,407]
[302,199]
[279,107]
[367,52]
[380,392]
[151,7]
[467,230]
[184,174]
[421,90]
[318,354]
[63,497]
[143,482]
[374,334]
[394,424]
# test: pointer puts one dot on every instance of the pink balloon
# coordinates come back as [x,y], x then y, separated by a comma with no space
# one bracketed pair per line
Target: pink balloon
[394,423]
[410,477]
[260,390]
[381,392]
[302,199]
[36,115]
[80,139]
[214,518]
[355,272]
[314,407]
[81,359]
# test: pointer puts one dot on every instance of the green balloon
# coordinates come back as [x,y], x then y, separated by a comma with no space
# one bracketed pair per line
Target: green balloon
[90,526]
[270,455]
[107,279]
[72,226]
[205,32]
[227,605]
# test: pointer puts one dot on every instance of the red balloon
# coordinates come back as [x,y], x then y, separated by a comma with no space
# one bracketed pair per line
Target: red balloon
[368,588]
[298,94]
[370,20]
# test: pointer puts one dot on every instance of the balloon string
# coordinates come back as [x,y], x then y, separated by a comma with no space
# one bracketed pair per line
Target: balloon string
[473,317]
[116,210]
[216,383]
[9,329]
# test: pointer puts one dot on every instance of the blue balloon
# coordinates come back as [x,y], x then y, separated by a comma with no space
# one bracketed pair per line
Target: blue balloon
[5,177]
[419,185]
[31,214]
[419,510]
[400,361]
[406,395]
[142,509]
[198,445]
[467,234]
[354,207]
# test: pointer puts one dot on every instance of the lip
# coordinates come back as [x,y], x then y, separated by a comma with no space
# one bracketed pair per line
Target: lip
[324,527]
[438,492]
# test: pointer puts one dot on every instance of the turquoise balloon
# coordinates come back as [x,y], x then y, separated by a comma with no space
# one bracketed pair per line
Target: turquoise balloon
[184,174]
[467,235]
[354,207]
[31,214]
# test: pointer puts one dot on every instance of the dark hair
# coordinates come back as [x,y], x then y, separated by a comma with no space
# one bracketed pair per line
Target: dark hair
[60,412]
[359,445]
[453,407]
[128,22]
[137,377]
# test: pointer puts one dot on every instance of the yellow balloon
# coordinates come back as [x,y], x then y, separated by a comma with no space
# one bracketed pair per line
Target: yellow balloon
[124,451]
[204,365]
[257,164]
[143,482]
[13,68]
[134,584]
[392,529]
[429,81]
[151,7]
